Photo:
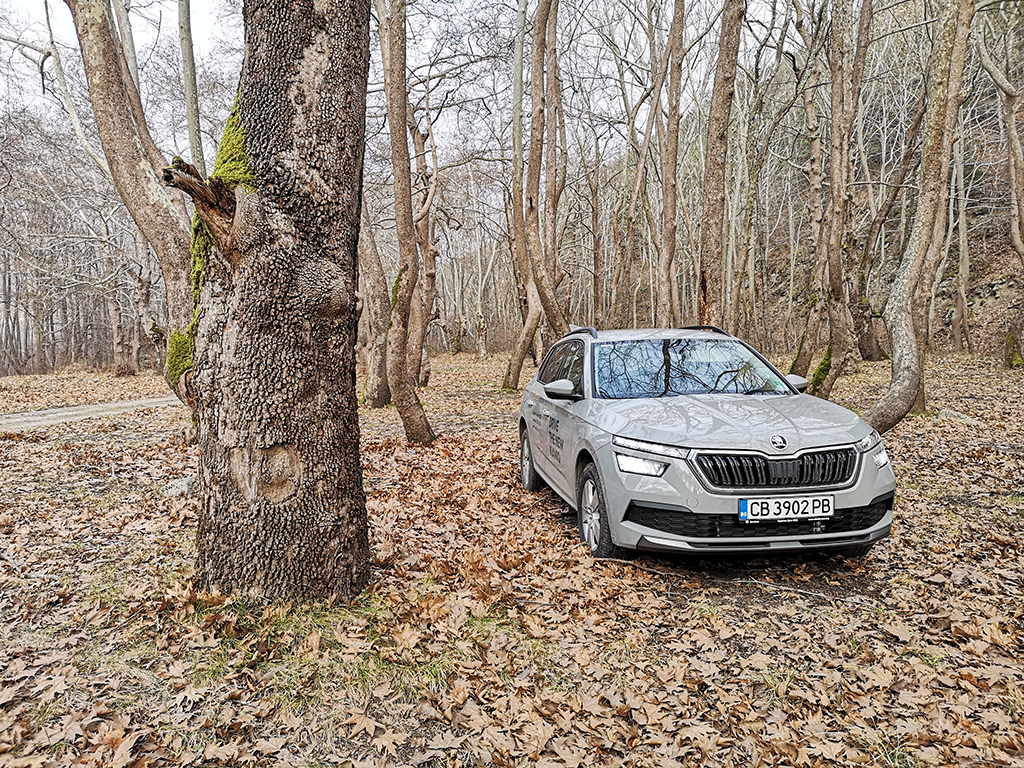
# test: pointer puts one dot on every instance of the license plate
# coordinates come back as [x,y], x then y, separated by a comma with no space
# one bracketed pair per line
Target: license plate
[781,508]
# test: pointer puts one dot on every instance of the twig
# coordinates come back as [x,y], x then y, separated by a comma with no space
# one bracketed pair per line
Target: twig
[635,564]
[14,566]
[855,601]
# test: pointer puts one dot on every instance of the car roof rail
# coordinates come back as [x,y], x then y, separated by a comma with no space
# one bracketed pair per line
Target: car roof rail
[574,329]
[713,328]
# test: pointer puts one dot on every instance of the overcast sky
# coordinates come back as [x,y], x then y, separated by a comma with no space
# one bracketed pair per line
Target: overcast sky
[27,19]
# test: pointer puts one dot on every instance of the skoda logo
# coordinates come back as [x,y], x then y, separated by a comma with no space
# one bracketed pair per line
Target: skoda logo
[778,442]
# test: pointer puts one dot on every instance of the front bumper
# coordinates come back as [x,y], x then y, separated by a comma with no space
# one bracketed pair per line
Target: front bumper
[679,512]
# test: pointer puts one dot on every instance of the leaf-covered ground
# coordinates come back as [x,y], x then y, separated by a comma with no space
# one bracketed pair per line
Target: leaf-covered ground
[489,637]
[76,386]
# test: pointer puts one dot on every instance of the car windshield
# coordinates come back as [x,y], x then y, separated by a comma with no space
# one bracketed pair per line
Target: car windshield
[670,367]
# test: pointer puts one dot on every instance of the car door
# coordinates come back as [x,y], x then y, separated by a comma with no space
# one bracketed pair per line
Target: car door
[539,409]
[564,426]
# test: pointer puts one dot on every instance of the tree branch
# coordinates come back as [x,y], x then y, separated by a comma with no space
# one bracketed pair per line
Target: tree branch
[214,201]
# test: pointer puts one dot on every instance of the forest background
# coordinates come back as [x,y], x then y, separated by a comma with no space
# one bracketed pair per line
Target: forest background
[815,230]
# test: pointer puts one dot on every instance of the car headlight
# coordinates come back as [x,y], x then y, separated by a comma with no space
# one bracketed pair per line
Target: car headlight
[868,442]
[640,445]
[636,465]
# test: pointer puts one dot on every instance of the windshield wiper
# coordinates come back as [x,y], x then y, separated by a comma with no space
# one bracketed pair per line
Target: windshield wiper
[764,389]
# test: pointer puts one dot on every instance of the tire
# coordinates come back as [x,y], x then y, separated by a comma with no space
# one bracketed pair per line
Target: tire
[859,551]
[592,515]
[527,472]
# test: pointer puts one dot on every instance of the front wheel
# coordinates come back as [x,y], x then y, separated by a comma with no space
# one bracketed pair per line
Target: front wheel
[592,515]
[527,473]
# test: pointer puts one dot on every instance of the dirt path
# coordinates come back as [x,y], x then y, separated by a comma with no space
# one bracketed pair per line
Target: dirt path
[23,422]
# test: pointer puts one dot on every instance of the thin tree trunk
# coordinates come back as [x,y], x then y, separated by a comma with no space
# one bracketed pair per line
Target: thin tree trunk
[847,71]
[124,145]
[188,63]
[535,247]
[1010,97]
[517,225]
[944,83]
[594,181]
[403,391]
[377,305]
[709,267]
[961,333]
[666,301]
[423,303]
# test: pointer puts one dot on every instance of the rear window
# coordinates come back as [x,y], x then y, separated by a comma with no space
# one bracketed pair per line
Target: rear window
[672,367]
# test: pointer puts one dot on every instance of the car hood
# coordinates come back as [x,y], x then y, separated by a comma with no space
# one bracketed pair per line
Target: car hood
[728,421]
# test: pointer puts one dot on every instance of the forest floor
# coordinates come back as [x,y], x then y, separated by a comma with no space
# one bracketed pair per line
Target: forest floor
[488,635]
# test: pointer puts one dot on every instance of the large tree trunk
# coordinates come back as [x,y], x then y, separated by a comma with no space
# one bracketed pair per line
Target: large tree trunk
[282,511]
[944,83]
[713,213]
[131,156]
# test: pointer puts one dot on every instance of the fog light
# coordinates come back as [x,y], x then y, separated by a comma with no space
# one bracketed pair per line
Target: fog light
[881,458]
[637,466]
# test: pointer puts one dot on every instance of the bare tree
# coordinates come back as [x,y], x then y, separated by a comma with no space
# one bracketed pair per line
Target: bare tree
[709,267]
[392,23]
[902,310]
[134,163]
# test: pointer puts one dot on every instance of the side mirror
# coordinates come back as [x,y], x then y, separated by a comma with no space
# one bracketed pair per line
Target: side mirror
[799,382]
[561,389]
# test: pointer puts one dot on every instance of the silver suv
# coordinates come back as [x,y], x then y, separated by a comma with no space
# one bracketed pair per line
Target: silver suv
[688,440]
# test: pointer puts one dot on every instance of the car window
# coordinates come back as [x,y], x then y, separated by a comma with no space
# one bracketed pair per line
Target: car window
[551,368]
[572,369]
[669,367]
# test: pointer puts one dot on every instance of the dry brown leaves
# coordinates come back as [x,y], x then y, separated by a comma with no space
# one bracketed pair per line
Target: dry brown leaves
[490,637]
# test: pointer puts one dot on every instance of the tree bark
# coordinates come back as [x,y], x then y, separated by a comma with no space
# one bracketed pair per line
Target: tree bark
[1010,97]
[709,267]
[847,68]
[517,223]
[597,282]
[423,309]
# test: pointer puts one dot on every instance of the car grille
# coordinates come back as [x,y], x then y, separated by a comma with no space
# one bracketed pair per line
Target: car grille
[809,470]
[681,521]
